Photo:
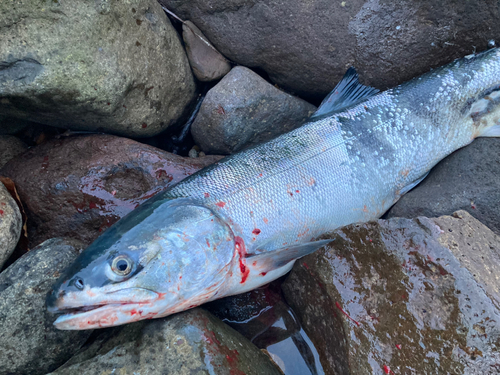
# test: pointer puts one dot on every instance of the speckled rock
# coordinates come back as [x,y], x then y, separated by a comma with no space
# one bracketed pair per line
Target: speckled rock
[93,65]
[243,110]
[10,147]
[207,63]
[29,343]
[466,180]
[403,296]
[10,224]
[306,46]
[79,186]
[192,342]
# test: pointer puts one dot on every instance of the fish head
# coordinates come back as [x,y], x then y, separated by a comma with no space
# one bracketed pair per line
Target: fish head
[162,258]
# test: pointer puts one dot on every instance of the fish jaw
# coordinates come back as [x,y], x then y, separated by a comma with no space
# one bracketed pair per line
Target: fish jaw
[99,310]
[106,316]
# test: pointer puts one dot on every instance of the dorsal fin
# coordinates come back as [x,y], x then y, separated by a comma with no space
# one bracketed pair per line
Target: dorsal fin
[347,93]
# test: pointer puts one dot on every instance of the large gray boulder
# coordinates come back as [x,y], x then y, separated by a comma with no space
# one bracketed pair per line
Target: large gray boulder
[306,46]
[93,65]
[403,296]
[243,110]
[29,343]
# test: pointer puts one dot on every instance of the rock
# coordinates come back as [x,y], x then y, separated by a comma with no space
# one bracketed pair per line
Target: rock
[78,186]
[403,296]
[9,125]
[306,46]
[263,317]
[10,224]
[10,147]
[29,343]
[243,110]
[465,180]
[192,342]
[207,63]
[98,65]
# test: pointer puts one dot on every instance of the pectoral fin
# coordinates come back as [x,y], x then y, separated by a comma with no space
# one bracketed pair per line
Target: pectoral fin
[271,260]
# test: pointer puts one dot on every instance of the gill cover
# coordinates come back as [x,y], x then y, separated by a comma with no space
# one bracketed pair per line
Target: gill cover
[162,256]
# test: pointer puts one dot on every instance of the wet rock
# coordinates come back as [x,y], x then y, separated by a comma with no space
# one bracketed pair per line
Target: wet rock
[192,342]
[306,46]
[79,186]
[465,180]
[10,147]
[263,317]
[207,63]
[243,110]
[29,344]
[10,224]
[121,68]
[403,296]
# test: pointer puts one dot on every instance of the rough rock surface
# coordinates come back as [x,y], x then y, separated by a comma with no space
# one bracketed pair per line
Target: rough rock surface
[10,224]
[306,46]
[78,186]
[29,343]
[10,147]
[207,63]
[466,180]
[93,65]
[242,110]
[417,296]
[192,342]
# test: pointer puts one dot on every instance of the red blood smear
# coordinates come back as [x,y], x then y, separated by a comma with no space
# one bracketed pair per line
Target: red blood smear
[305,265]
[1,212]
[387,369]
[263,273]
[297,191]
[240,246]
[265,220]
[208,243]
[206,195]
[256,231]
[398,346]
[346,314]
[144,125]
[221,204]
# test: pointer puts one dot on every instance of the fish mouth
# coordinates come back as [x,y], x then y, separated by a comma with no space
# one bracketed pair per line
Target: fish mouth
[109,310]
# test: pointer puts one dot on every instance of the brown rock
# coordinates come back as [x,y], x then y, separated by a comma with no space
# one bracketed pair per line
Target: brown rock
[401,296]
[207,63]
[78,186]
[306,46]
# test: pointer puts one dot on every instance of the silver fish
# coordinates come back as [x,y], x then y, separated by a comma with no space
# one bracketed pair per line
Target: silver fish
[243,222]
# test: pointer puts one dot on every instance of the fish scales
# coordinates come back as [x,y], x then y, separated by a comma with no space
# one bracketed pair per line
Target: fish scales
[242,222]
[361,159]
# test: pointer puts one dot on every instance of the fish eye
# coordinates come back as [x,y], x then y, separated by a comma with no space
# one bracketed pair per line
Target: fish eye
[78,283]
[122,265]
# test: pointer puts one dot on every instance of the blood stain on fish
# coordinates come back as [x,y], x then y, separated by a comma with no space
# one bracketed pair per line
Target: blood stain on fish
[220,204]
[240,247]
[256,231]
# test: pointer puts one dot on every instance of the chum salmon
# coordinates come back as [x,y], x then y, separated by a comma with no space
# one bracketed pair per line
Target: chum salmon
[243,221]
